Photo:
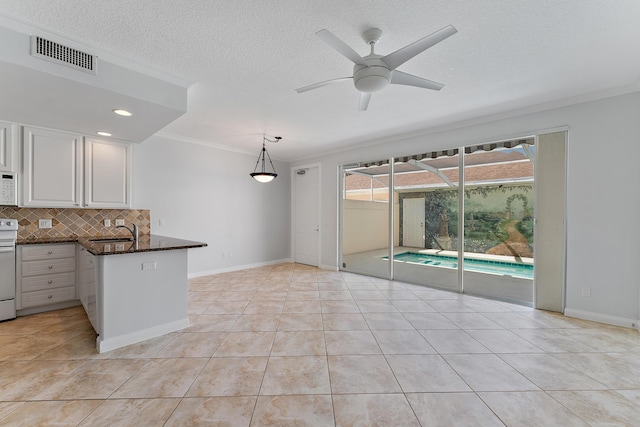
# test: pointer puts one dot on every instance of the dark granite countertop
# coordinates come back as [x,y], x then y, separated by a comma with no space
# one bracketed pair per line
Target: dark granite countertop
[146,243]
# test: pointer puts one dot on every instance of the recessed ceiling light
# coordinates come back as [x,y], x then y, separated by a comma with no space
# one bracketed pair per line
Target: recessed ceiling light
[101,133]
[122,113]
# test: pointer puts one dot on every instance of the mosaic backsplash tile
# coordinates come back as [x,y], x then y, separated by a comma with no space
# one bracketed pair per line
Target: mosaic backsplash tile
[75,222]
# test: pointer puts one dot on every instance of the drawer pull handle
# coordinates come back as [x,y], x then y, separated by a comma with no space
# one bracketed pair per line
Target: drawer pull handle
[50,267]
[50,296]
[50,281]
[50,252]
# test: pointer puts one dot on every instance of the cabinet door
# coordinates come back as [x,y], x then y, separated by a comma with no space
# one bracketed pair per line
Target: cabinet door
[107,174]
[91,290]
[8,146]
[52,168]
[81,266]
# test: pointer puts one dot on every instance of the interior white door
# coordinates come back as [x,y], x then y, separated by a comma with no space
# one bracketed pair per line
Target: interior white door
[307,215]
[413,222]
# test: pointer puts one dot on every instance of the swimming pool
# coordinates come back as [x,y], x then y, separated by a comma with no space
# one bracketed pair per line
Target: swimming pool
[524,271]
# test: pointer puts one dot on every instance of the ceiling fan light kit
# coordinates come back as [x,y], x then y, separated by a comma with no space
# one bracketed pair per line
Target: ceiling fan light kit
[376,76]
[373,72]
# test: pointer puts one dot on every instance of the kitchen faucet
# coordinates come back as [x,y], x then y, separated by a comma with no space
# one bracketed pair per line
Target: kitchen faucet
[133,231]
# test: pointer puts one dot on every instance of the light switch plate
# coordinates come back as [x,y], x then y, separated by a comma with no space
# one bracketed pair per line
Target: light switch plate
[119,222]
[107,223]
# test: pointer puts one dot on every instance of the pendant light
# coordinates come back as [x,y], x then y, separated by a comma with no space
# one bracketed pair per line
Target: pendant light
[264,176]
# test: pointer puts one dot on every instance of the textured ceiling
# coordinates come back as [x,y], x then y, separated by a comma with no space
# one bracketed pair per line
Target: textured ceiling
[246,57]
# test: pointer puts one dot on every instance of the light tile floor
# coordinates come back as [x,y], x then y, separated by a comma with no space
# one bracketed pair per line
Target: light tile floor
[293,345]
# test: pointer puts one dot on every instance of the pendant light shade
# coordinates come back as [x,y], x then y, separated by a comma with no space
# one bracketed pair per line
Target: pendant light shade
[264,175]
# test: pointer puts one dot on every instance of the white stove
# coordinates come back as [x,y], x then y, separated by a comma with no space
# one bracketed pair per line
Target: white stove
[8,237]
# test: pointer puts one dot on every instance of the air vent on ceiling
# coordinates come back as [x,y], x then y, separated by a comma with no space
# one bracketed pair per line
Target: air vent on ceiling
[65,55]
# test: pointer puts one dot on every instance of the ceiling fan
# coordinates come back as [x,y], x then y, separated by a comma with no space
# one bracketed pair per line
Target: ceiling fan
[375,72]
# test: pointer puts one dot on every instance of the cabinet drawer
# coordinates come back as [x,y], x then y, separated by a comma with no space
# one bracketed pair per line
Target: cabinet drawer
[48,281]
[46,267]
[41,252]
[51,296]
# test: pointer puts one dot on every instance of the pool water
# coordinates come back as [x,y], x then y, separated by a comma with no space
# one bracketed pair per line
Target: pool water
[471,264]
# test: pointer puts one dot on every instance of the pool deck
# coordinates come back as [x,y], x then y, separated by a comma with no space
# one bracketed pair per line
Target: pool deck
[467,255]
[501,287]
[471,255]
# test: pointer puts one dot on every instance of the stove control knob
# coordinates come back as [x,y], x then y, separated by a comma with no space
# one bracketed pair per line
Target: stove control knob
[9,223]
[1,223]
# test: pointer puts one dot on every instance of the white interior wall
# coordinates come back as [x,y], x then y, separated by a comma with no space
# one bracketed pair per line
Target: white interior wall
[206,194]
[602,198]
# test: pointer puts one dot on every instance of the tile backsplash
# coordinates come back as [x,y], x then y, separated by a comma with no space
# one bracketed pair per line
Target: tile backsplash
[75,222]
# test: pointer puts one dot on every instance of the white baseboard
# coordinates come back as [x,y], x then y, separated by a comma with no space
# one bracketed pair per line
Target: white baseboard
[237,267]
[137,336]
[328,267]
[602,318]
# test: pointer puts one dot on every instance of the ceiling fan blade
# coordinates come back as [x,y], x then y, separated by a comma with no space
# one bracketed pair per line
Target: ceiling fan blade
[322,84]
[365,97]
[400,56]
[341,47]
[400,78]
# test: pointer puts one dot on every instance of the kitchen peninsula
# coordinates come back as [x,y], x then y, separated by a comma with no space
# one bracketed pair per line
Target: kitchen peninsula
[131,290]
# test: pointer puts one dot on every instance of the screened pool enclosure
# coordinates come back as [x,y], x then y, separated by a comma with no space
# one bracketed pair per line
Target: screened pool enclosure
[459,219]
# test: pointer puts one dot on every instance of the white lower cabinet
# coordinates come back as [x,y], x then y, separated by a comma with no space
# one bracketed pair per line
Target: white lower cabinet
[87,290]
[46,275]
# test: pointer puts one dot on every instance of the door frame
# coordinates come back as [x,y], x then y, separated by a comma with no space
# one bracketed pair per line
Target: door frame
[293,209]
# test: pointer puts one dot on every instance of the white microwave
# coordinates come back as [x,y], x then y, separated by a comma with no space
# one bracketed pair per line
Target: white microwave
[8,189]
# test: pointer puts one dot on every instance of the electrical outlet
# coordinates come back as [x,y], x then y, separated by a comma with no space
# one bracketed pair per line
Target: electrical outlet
[107,223]
[119,222]
[44,223]
[586,292]
[148,265]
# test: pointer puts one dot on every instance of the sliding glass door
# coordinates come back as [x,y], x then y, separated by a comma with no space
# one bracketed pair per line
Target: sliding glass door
[427,193]
[498,221]
[459,219]
[365,214]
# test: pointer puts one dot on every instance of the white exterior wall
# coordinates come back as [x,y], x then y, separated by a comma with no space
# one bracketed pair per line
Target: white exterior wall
[206,194]
[368,222]
[603,202]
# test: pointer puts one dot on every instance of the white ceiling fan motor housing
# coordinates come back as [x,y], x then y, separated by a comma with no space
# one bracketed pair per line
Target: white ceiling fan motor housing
[373,78]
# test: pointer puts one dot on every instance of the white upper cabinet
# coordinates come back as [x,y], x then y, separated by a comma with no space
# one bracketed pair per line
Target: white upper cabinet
[8,146]
[61,170]
[52,168]
[106,174]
